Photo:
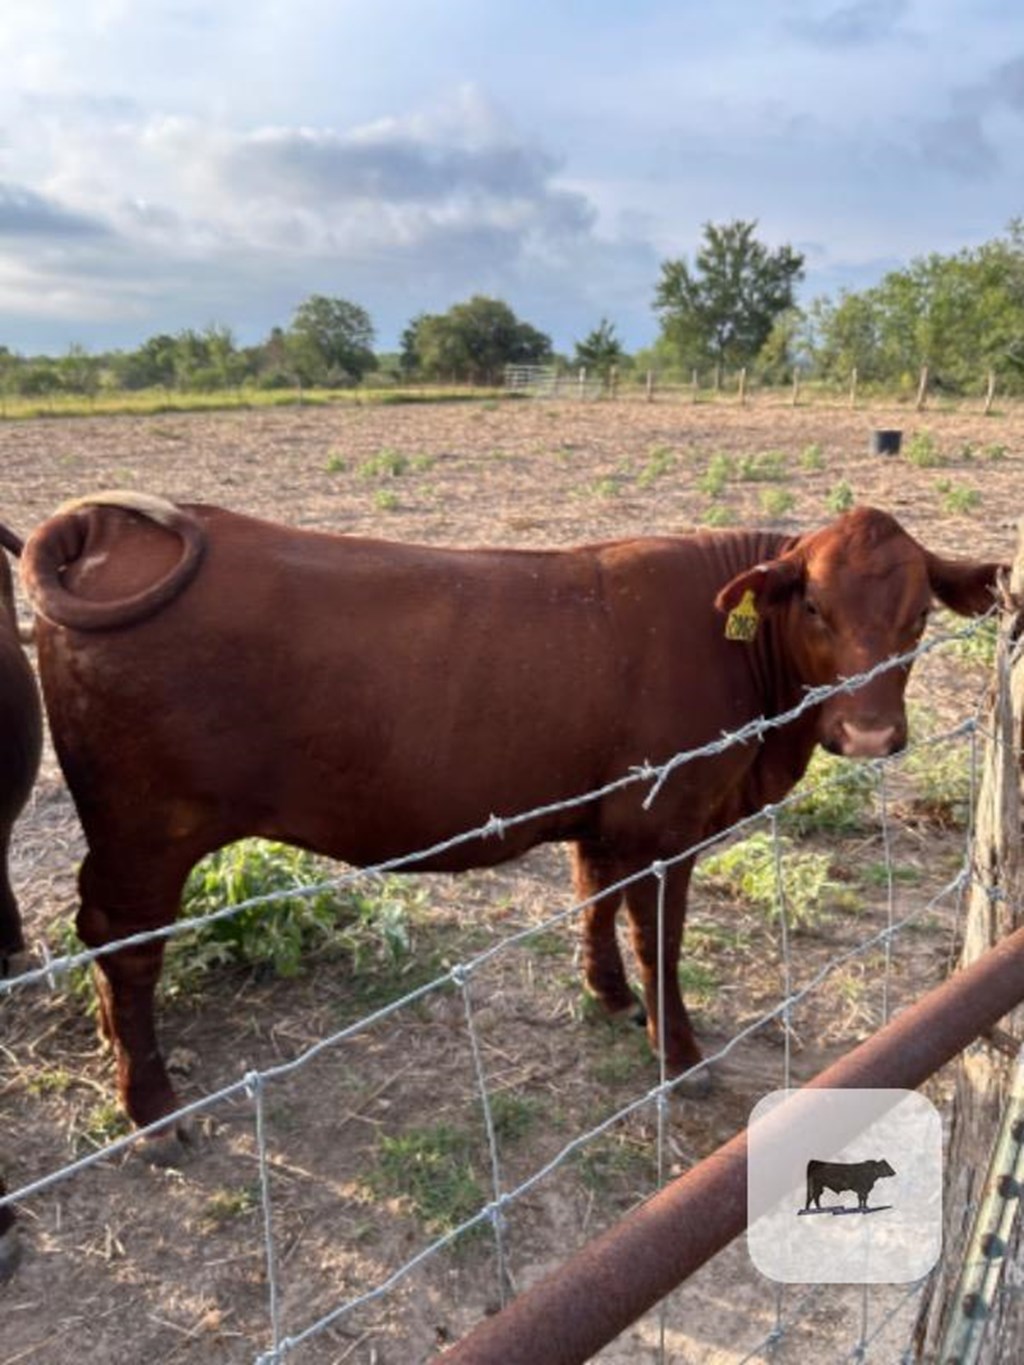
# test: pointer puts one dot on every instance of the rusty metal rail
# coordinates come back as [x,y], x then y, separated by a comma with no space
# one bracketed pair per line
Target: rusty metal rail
[615,1279]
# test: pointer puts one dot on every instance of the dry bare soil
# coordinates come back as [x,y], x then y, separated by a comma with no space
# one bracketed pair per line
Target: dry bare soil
[378,1142]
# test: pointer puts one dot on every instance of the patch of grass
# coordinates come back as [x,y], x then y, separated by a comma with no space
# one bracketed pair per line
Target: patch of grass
[615,1165]
[995,450]
[718,473]
[834,796]
[104,1123]
[767,467]
[746,871]
[957,497]
[776,502]
[660,462]
[607,487]
[224,1206]
[386,501]
[941,778]
[812,457]
[513,1115]
[922,451]
[718,515]
[335,463]
[431,1171]
[386,464]
[840,498]
[54,1080]
[979,647]
[877,874]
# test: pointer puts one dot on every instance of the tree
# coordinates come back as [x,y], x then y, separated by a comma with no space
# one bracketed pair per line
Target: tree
[723,309]
[599,350]
[473,342]
[330,341]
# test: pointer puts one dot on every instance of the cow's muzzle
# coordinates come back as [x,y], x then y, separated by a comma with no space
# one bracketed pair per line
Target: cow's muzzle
[852,740]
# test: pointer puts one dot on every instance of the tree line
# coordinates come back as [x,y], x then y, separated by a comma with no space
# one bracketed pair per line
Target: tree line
[733,306]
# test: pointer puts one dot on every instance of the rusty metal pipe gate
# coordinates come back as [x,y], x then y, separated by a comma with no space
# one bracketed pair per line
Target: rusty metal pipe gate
[615,1279]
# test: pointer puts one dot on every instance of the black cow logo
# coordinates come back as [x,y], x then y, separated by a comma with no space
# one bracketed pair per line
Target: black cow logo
[838,1176]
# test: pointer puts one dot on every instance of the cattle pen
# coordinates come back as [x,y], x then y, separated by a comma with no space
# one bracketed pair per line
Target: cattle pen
[302,1290]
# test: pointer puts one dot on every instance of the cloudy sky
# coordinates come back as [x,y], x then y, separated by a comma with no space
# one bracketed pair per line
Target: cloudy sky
[168,163]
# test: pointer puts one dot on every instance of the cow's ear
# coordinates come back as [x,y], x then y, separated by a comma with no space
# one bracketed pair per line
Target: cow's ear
[769,584]
[966,586]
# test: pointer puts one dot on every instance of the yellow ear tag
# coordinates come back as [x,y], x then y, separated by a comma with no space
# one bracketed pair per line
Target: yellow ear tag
[741,623]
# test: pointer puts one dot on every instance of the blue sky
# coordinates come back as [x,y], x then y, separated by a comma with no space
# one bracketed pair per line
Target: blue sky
[166,164]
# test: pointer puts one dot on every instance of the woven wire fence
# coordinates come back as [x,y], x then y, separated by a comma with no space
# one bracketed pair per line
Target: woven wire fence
[288,1330]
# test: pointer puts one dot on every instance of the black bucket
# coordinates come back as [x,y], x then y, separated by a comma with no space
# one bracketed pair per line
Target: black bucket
[885,442]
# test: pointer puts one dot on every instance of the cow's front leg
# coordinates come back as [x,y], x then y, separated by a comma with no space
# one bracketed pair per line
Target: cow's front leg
[662,995]
[605,975]
[11,939]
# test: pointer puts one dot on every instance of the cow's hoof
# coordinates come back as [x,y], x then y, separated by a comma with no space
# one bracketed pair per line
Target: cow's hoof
[10,1252]
[167,1149]
[696,1084]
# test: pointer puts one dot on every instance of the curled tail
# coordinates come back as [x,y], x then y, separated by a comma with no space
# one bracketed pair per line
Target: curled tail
[60,541]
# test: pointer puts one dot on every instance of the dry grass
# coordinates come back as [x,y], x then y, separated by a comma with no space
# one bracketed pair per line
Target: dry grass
[126,1262]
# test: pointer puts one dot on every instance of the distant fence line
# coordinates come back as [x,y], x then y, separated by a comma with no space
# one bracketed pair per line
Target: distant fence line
[253,1083]
[552,381]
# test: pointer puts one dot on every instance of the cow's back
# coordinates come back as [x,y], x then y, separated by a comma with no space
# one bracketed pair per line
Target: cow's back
[366,697]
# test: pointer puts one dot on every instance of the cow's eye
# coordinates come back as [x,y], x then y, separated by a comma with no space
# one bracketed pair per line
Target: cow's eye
[812,609]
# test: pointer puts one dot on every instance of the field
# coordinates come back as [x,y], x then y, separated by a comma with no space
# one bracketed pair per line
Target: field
[377,1145]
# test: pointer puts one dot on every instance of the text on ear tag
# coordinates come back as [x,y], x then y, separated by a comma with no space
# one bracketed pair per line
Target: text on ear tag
[741,623]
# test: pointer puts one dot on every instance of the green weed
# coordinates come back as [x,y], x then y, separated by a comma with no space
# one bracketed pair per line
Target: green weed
[718,515]
[767,467]
[718,473]
[432,1171]
[386,464]
[835,796]
[660,462]
[746,871]
[812,457]
[922,451]
[840,498]
[776,502]
[957,498]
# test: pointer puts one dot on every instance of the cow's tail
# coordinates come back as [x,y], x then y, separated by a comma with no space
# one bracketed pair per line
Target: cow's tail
[60,541]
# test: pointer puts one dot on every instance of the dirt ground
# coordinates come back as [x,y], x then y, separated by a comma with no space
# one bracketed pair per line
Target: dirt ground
[127,1262]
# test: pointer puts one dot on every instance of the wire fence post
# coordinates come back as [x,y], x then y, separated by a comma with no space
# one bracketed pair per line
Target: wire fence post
[994,910]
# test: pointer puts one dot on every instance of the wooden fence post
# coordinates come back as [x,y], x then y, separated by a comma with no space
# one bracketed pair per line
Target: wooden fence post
[990,392]
[650,385]
[853,386]
[983,1073]
[743,385]
[796,389]
[613,382]
[695,383]
[922,389]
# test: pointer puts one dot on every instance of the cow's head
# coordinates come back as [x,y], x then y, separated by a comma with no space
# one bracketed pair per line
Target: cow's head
[847,598]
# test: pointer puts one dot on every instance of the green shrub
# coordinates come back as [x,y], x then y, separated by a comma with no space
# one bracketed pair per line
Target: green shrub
[370,921]
[386,464]
[840,498]
[834,796]
[768,467]
[922,451]
[812,457]
[746,871]
[660,462]
[957,498]
[718,515]
[718,473]
[776,502]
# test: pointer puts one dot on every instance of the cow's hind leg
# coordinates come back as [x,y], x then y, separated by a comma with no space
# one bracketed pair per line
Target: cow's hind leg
[605,975]
[661,993]
[116,903]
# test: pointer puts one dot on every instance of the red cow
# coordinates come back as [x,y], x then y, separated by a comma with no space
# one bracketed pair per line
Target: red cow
[21,735]
[208,676]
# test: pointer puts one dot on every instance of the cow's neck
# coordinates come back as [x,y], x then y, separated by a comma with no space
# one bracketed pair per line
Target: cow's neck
[784,754]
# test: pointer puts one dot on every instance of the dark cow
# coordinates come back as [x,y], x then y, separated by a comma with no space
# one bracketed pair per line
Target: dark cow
[209,676]
[837,1176]
[21,737]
